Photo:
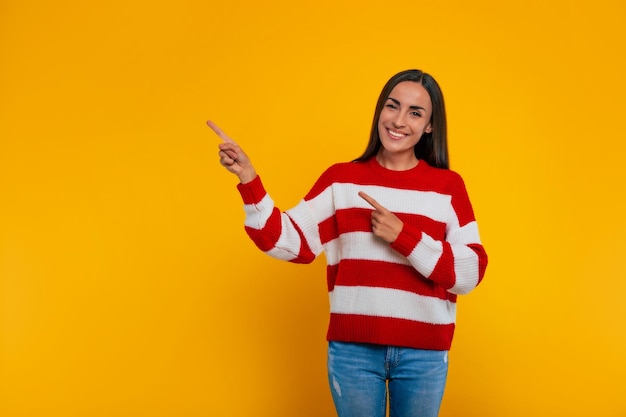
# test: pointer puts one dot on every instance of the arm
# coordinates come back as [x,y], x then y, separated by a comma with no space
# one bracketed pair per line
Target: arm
[456,263]
[275,233]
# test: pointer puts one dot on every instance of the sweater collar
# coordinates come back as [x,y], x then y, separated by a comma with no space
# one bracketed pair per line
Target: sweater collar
[375,165]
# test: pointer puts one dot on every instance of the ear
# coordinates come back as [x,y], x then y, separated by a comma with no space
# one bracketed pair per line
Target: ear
[428,128]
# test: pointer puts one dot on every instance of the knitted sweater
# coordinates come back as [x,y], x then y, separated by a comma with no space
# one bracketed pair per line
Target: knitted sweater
[399,294]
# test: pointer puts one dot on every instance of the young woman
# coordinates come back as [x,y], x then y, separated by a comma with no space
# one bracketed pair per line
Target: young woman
[401,243]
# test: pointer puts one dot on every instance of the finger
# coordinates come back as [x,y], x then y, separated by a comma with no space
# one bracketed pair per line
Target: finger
[228,154]
[219,132]
[370,201]
[230,149]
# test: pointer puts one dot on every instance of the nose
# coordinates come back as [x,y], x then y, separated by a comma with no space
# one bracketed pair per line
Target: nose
[398,120]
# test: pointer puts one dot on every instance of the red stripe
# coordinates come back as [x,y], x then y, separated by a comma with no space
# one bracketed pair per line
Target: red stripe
[482,260]
[266,238]
[433,228]
[384,275]
[389,331]
[360,220]
[444,273]
[350,220]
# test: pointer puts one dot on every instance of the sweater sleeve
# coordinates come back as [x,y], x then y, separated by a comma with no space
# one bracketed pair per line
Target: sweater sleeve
[277,233]
[458,262]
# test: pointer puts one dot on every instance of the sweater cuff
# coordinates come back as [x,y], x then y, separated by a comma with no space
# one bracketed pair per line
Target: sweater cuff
[252,192]
[407,240]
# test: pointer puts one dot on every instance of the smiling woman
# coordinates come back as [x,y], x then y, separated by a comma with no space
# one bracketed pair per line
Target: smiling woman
[402,123]
[128,286]
[401,243]
[411,106]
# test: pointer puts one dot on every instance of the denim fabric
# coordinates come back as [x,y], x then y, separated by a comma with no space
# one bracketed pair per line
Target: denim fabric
[359,375]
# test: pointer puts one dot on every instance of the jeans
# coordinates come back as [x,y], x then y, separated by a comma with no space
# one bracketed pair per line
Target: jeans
[360,375]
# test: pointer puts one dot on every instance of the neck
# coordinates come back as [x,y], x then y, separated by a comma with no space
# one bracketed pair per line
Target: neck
[397,162]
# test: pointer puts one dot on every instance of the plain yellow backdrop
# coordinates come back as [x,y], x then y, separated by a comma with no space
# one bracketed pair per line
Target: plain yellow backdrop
[128,285]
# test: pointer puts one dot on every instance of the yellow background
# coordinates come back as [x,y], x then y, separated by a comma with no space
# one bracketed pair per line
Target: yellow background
[129,287]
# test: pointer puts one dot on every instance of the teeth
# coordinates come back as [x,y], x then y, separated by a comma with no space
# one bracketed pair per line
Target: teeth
[395,134]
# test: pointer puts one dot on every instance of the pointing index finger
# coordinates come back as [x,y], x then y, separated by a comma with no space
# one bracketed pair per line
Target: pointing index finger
[219,132]
[370,201]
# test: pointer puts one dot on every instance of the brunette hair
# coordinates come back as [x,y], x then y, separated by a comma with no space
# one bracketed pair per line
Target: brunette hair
[433,146]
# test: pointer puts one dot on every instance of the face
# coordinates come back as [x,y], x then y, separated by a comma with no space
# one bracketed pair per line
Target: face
[404,119]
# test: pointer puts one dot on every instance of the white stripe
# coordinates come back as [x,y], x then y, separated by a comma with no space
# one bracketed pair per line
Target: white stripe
[258,214]
[361,245]
[341,196]
[464,235]
[387,302]
[303,217]
[288,245]
[281,253]
[426,255]
[465,269]
[431,204]
[322,205]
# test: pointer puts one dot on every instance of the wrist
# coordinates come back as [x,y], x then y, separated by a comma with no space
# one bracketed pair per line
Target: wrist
[247,176]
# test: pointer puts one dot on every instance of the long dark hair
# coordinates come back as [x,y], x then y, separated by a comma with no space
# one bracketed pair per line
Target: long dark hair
[433,146]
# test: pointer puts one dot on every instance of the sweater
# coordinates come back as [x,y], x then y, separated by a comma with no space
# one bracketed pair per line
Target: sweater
[400,294]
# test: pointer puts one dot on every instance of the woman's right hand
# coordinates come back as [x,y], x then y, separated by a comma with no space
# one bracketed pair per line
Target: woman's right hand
[232,157]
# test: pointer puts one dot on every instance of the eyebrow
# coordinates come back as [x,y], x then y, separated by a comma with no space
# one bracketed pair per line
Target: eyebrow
[410,107]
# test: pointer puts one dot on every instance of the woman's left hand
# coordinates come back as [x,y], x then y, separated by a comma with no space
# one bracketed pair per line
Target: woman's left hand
[385,224]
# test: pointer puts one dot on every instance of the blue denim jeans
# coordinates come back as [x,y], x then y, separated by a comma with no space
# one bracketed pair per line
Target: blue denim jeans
[361,375]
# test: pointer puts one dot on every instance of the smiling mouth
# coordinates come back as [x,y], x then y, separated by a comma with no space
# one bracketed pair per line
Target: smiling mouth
[396,135]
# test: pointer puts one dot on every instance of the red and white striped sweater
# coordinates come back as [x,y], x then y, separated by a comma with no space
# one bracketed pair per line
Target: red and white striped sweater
[399,294]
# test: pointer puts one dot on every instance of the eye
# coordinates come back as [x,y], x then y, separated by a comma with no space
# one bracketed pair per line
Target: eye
[416,114]
[391,106]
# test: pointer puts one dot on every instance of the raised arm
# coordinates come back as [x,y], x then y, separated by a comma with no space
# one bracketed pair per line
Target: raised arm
[275,233]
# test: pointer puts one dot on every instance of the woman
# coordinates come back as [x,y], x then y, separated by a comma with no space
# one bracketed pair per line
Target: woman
[401,243]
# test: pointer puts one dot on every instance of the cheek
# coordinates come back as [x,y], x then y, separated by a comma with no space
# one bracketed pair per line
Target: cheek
[427,126]
[380,124]
[420,126]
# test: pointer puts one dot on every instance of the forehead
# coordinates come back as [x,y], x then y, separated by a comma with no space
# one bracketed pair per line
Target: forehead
[411,93]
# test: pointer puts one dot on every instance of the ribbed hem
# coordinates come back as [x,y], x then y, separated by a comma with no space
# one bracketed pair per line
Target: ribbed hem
[388,331]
